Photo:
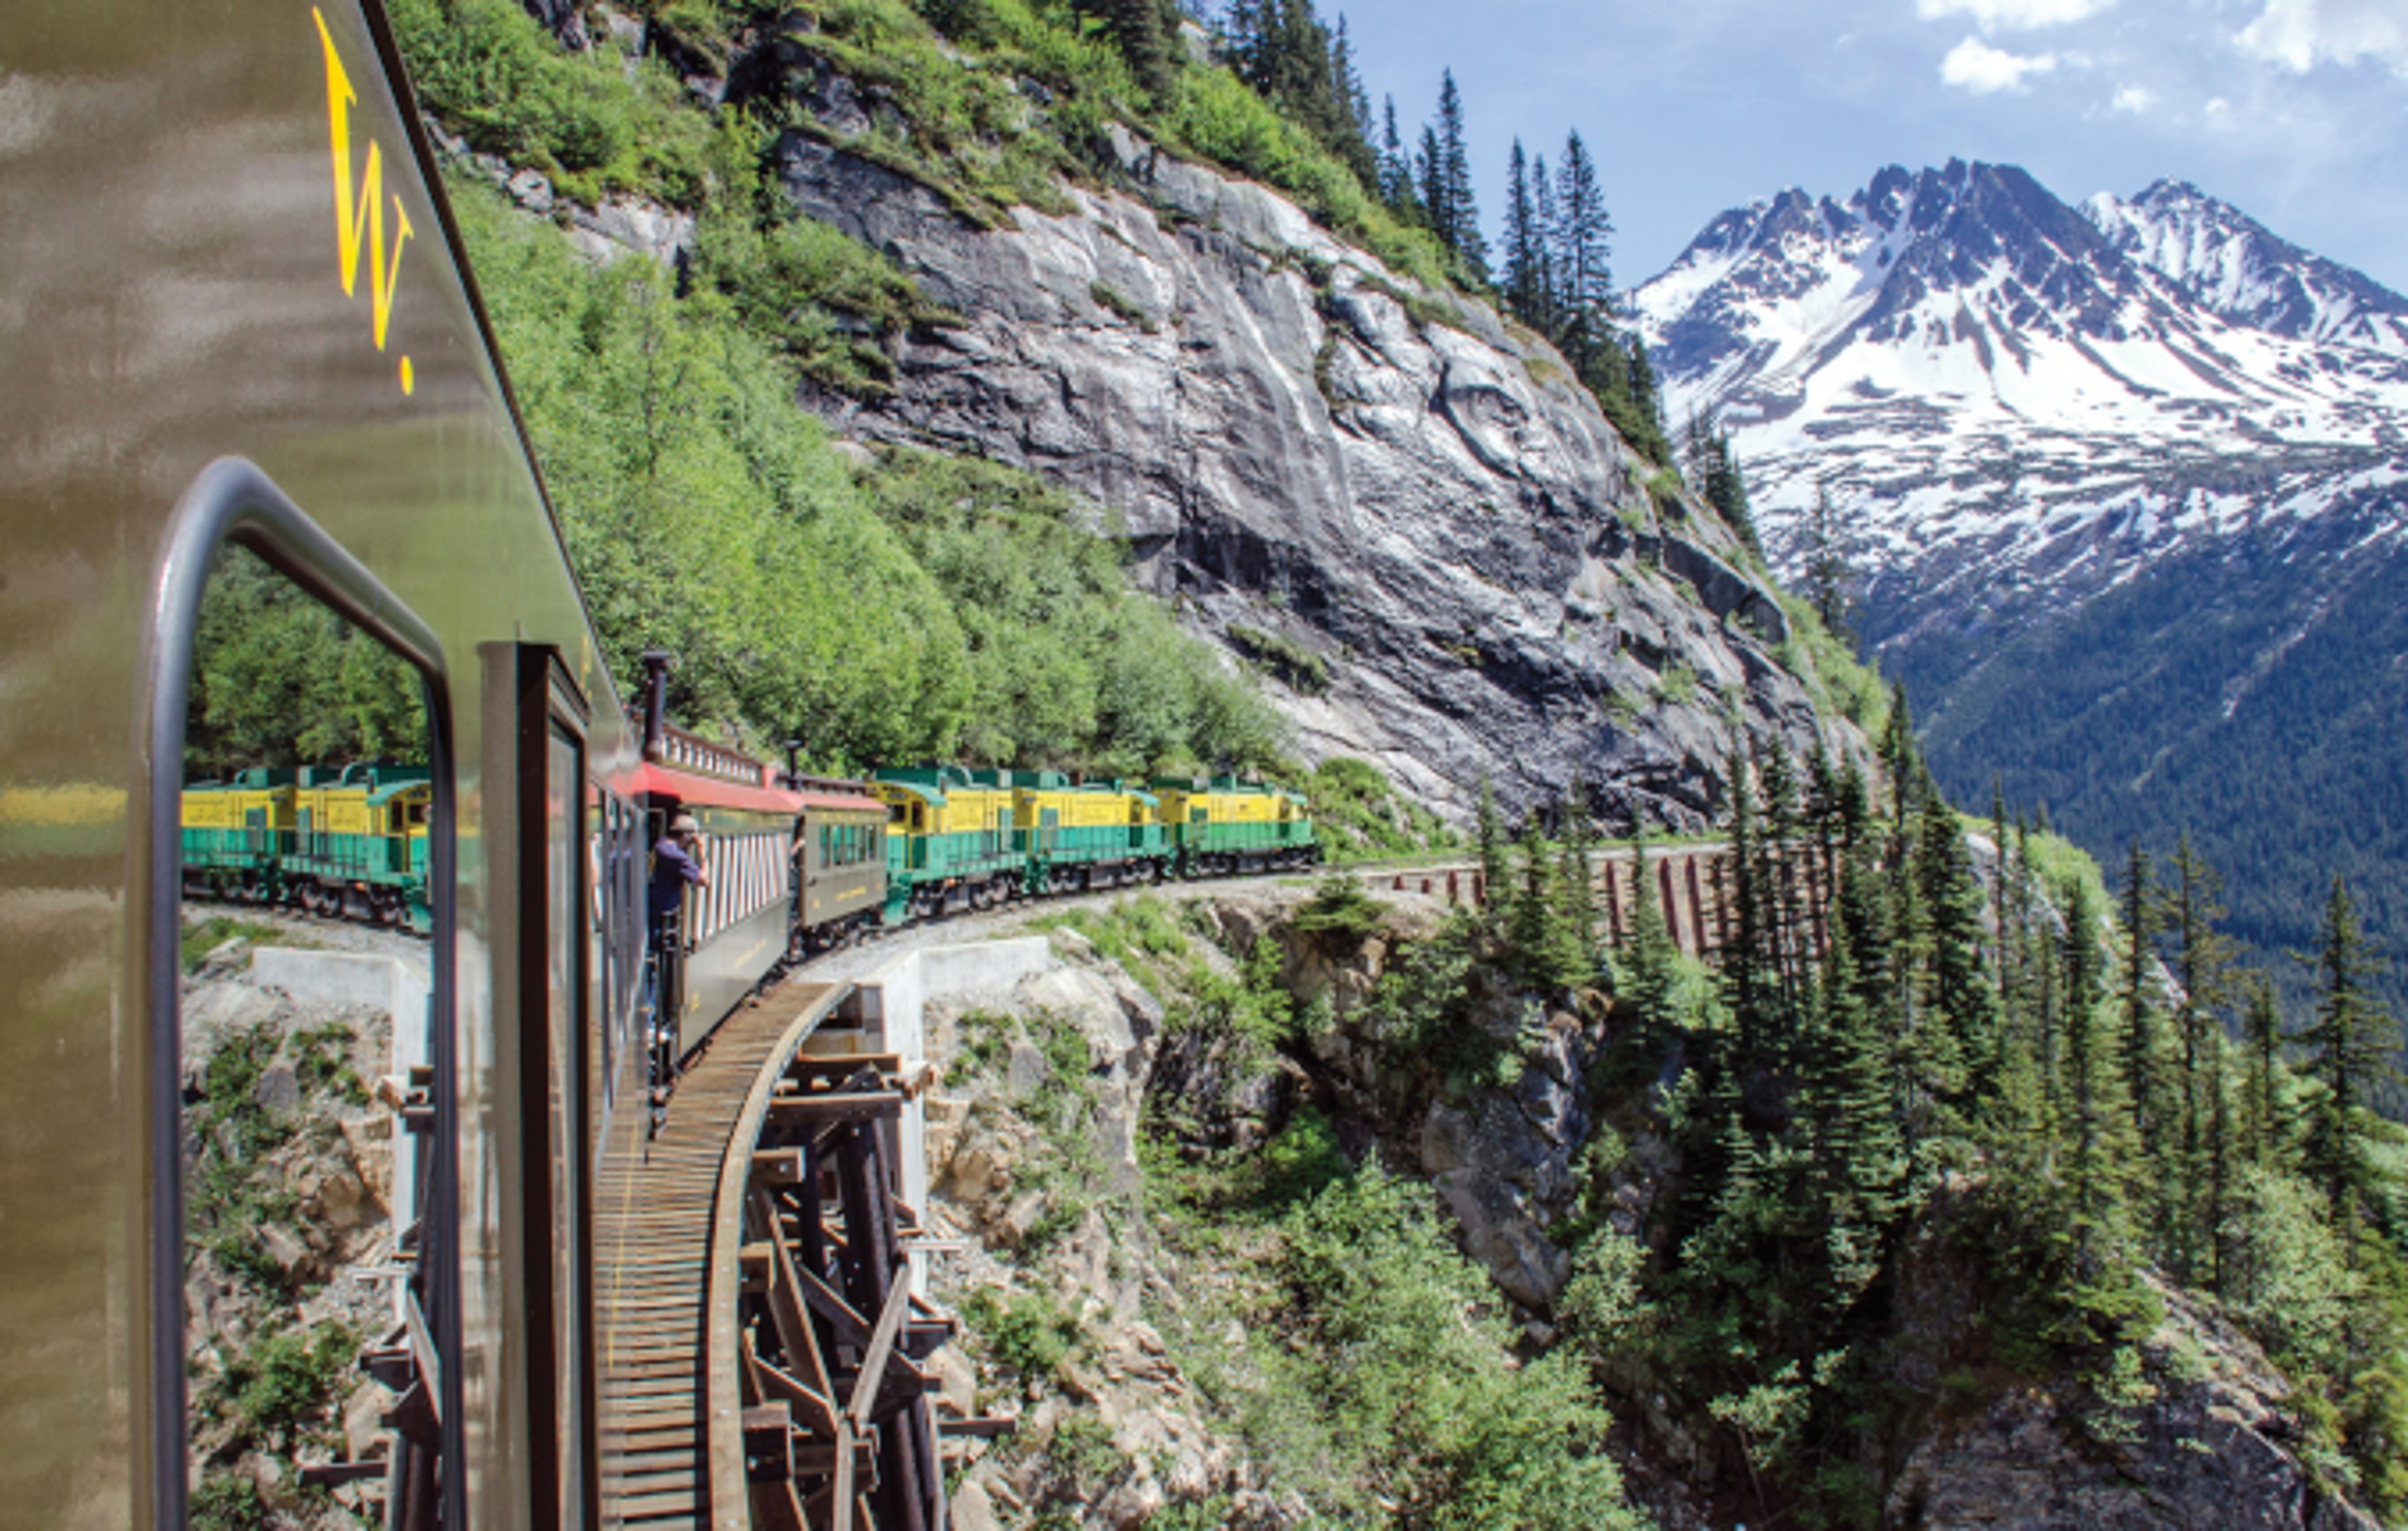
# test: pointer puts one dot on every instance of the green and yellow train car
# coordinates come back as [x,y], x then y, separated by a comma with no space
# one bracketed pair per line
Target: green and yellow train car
[1089,835]
[234,834]
[950,841]
[1219,825]
[358,842]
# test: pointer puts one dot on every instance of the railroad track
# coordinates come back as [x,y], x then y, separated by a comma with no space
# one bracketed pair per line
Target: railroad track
[667,1264]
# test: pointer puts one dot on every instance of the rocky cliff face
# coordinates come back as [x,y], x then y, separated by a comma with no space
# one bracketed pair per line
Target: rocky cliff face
[1315,457]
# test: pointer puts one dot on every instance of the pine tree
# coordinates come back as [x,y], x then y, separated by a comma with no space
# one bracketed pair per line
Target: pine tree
[1352,110]
[2203,957]
[1535,923]
[2098,1118]
[2353,1044]
[1647,398]
[1648,960]
[1396,187]
[1788,944]
[2266,1134]
[1545,219]
[1859,1160]
[1583,234]
[1524,271]
[1742,960]
[1579,879]
[1460,225]
[1488,833]
[1145,31]
[2143,1051]
[1826,555]
[1429,184]
[1962,1000]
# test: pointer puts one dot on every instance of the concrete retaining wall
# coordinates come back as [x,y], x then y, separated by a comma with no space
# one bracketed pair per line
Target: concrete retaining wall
[891,1003]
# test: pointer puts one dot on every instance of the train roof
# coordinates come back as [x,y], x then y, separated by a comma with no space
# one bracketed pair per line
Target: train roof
[657,780]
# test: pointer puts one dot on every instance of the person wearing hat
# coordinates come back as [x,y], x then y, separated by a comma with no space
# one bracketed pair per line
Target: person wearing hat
[677,862]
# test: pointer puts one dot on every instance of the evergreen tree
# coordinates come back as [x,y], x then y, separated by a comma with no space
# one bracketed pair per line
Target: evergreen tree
[2203,957]
[1743,958]
[1397,187]
[1787,945]
[1351,118]
[2353,1044]
[2142,1046]
[1488,833]
[1146,33]
[1524,263]
[1648,960]
[1859,1160]
[1646,398]
[1458,223]
[2267,1136]
[1962,1000]
[1826,556]
[1429,184]
[1579,879]
[1547,955]
[2098,1118]
[1581,233]
[1545,219]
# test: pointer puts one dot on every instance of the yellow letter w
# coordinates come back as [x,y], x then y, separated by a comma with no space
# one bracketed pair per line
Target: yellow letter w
[368,212]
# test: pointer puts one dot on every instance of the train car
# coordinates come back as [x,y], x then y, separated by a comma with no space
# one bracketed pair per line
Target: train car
[234,834]
[357,847]
[236,327]
[950,840]
[840,862]
[1219,825]
[1089,834]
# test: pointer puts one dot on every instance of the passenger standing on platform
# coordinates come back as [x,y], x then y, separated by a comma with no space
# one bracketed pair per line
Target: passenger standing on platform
[677,861]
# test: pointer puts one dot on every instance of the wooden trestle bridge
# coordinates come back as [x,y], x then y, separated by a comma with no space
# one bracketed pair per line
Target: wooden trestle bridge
[1692,882]
[764,1361]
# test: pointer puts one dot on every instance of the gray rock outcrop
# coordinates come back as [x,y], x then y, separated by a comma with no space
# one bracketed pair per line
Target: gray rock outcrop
[2203,1444]
[1303,443]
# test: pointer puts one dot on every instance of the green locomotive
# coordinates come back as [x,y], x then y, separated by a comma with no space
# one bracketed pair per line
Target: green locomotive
[346,841]
[961,838]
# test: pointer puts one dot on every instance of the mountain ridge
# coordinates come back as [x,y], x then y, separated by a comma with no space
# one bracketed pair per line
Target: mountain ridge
[2070,445]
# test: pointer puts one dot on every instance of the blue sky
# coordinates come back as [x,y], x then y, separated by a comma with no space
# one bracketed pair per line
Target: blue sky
[2294,110]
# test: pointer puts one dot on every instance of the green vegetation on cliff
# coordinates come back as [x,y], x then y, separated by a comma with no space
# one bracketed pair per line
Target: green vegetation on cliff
[910,608]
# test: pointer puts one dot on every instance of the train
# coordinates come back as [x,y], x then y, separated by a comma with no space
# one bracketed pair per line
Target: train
[236,315]
[868,855]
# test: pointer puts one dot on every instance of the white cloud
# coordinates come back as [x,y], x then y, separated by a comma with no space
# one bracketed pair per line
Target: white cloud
[2013,15]
[1985,70]
[2135,99]
[2299,34]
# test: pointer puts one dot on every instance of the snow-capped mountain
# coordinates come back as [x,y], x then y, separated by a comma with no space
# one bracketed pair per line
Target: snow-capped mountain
[2129,486]
[2228,263]
[1970,358]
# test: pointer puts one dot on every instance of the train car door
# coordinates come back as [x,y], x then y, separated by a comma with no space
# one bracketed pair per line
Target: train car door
[536,731]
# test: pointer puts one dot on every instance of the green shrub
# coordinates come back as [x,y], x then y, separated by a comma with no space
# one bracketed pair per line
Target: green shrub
[486,70]
[1030,1336]
[1302,670]
[1118,304]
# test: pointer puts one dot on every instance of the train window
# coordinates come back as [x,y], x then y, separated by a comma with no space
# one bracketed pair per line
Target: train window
[299,977]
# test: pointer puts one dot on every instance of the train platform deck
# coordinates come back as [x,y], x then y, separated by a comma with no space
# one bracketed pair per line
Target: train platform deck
[667,1218]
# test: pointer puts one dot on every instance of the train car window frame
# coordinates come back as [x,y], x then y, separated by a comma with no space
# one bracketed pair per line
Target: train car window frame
[232,502]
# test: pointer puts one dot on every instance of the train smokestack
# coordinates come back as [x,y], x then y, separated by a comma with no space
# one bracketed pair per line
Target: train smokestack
[656,698]
[794,763]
